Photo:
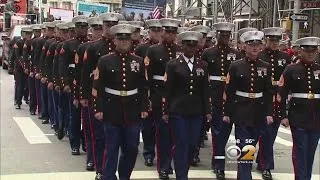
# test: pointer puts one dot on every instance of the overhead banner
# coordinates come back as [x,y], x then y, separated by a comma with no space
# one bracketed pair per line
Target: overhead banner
[61,14]
[91,9]
[140,9]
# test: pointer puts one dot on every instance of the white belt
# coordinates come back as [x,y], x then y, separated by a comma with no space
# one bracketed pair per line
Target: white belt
[249,95]
[217,78]
[121,93]
[157,77]
[306,95]
[72,65]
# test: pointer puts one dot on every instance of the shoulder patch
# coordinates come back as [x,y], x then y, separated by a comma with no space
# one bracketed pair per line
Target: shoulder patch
[281,81]
[15,46]
[43,48]
[85,56]
[48,53]
[228,79]
[76,58]
[25,46]
[146,61]
[31,48]
[62,51]
[96,74]
[94,92]
[165,78]
[55,52]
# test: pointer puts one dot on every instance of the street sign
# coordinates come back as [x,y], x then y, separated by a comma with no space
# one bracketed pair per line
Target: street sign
[309,4]
[298,17]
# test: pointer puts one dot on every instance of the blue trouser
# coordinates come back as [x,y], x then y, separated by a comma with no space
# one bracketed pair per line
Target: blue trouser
[164,143]
[26,88]
[94,135]
[148,136]
[201,138]
[305,144]
[51,107]
[75,125]
[245,136]
[64,112]
[220,132]
[21,81]
[44,100]
[185,131]
[124,137]
[268,134]
[38,94]
[33,95]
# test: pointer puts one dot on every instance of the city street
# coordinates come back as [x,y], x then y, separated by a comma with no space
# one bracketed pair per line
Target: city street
[30,150]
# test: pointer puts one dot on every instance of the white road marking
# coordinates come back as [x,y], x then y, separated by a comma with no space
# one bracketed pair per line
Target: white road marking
[31,131]
[284,130]
[283,142]
[193,174]
[141,139]
[49,134]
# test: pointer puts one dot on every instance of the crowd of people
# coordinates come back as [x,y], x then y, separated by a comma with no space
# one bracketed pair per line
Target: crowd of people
[173,84]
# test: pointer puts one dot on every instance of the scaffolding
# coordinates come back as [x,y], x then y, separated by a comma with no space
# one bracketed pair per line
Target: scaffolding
[244,13]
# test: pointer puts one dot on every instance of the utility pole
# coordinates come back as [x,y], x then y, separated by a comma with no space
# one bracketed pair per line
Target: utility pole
[295,25]
[183,11]
[274,13]
[215,11]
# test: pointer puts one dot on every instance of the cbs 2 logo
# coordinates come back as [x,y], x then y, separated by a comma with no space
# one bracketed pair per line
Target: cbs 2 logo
[234,152]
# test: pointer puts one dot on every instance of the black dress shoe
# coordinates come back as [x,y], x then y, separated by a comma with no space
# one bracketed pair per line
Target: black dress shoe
[32,113]
[266,175]
[90,166]
[148,162]
[45,121]
[163,175]
[194,162]
[84,148]
[40,117]
[60,134]
[18,106]
[75,151]
[206,137]
[98,176]
[220,175]
[26,101]
[170,171]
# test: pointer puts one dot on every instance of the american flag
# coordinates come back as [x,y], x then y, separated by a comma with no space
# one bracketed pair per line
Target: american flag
[156,14]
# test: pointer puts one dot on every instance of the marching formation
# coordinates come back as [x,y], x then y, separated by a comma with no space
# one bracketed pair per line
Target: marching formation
[173,84]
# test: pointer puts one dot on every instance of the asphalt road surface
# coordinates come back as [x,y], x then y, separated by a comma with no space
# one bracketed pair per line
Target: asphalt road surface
[30,150]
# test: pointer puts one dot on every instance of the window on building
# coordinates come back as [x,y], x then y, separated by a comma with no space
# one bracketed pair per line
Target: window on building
[53,4]
[66,5]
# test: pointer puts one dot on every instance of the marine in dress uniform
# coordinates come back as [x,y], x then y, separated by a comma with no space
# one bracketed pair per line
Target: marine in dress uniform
[71,29]
[148,125]
[44,83]
[248,97]
[20,67]
[68,74]
[241,42]
[136,38]
[94,51]
[157,57]
[48,32]
[211,39]
[219,59]
[295,49]
[88,123]
[28,57]
[56,80]
[204,30]
[186,101]
[121,103]
[53,96]
[302,80]
[278,61]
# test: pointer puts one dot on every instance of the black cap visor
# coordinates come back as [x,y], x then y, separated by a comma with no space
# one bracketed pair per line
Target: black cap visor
[309,48]
[273,37]
[190,42]
[170,29]
[123,36]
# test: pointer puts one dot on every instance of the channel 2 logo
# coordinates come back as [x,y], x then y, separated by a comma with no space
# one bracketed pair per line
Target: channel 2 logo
[234,153]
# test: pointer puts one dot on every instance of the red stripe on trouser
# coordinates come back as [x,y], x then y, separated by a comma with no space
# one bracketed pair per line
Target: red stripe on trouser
[261,151]
[37,95]
[213,148]
[84,129]
[294,156]
[173,139]
[104,158]
[157,143]
[92,138]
